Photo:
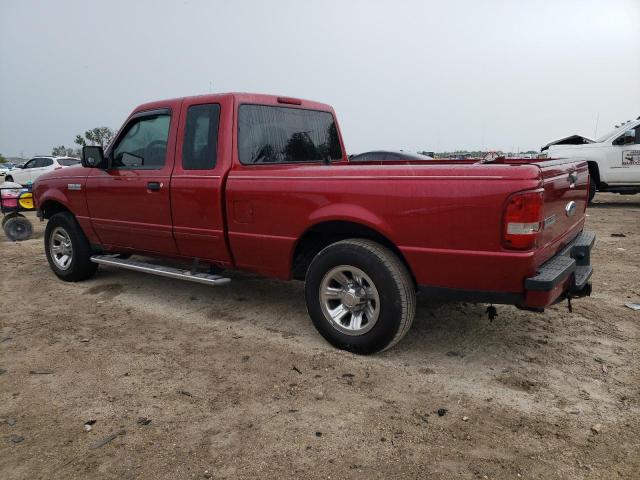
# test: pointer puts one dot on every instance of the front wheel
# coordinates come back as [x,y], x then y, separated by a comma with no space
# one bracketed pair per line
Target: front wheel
[592,189]
[67,249]
[360,296]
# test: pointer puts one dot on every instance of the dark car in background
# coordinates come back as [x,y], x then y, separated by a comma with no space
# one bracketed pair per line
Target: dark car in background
[387,155]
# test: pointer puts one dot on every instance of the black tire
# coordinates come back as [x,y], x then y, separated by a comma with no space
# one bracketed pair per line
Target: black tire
[17,228]
[8,178]
[6,218]
[392,281]
[80,266]
[593,187]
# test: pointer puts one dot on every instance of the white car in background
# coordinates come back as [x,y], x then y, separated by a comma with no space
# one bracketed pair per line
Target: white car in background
[613,159]
[37,166]
[6,168]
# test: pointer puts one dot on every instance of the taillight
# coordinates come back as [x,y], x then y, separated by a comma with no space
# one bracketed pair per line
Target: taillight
[522,221]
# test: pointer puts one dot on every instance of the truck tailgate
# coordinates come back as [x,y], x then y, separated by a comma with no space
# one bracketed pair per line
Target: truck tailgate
[566,185]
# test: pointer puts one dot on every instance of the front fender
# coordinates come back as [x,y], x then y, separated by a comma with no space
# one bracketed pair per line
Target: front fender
[43,193]
[65,194]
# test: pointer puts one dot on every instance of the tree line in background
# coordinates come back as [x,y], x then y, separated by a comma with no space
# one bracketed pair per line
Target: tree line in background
[96,136]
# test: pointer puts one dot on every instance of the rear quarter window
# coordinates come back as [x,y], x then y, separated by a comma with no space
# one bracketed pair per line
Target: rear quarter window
[269,134]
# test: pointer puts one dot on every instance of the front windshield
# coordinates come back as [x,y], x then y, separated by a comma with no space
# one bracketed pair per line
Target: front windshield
[416,156]
[617,130]
[67,162]
[607,135]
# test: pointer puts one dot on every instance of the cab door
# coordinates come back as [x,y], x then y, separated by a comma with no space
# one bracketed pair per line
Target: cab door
[129,200]
[623,158]
[203,154]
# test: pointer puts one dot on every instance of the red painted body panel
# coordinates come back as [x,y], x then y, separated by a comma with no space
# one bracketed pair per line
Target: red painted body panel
[446,220]
[125,214]
[55,188]
[197,196]
[445,217]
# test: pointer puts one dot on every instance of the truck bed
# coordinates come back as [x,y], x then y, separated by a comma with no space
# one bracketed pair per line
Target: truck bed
[445,217]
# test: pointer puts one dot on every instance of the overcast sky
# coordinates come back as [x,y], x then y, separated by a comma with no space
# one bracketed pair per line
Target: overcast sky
[407,75]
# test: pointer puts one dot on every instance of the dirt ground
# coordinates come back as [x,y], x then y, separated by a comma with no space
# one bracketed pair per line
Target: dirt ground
[188,381]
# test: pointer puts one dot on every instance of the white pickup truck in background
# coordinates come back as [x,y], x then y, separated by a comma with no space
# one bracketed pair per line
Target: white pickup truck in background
[614,158]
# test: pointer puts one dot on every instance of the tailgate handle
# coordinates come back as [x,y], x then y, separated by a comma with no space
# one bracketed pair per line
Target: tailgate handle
[572,178]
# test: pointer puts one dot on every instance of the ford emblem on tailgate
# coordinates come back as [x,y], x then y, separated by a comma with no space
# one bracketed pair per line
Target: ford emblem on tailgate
[570,209]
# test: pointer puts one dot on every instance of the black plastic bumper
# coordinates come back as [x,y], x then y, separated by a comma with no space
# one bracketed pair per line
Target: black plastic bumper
[573,260]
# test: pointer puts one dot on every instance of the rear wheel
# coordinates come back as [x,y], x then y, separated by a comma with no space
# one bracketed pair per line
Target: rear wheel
[67,249]
[8,178]
[360,296]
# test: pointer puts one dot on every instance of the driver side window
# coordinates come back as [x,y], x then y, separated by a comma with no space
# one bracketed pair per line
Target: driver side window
[629,137]
[143,145]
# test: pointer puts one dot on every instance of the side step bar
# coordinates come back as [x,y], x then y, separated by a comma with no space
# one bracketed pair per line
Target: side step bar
[170,272]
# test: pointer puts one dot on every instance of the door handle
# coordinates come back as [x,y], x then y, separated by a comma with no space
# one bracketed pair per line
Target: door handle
[154,186]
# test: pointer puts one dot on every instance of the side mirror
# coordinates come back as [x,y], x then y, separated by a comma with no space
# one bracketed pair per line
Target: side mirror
[92,156]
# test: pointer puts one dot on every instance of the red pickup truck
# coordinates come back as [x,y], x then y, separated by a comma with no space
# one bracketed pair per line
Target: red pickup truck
[262,183]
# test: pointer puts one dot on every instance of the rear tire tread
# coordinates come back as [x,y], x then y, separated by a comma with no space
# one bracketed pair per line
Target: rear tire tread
[402,280]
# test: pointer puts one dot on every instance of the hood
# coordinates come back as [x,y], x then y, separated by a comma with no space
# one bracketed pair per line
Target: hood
[64,172]
[570,140]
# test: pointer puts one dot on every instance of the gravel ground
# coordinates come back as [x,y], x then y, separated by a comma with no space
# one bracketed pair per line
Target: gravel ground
[188,381]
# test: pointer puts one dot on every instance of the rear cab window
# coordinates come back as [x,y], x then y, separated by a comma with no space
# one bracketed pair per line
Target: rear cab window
[273,134]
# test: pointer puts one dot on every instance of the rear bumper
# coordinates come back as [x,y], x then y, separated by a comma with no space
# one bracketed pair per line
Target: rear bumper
[566,274]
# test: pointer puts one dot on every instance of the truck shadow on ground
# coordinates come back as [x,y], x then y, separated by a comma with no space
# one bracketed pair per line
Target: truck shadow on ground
[614,205]
[447,330]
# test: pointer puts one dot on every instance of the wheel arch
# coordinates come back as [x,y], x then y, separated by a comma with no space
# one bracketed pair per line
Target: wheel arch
[327,232]
[50,207]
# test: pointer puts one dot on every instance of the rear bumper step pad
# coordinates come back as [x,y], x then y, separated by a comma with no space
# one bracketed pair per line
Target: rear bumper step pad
[574,259]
